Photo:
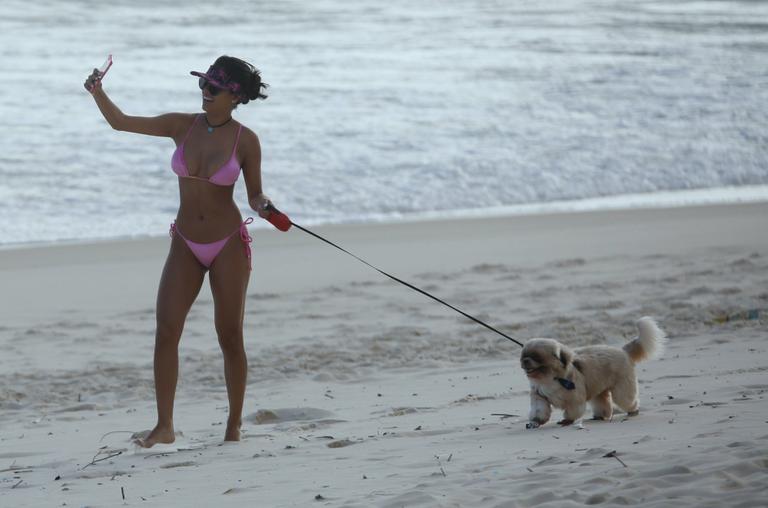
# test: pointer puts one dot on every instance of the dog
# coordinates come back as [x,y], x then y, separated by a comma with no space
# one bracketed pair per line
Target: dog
[601,375]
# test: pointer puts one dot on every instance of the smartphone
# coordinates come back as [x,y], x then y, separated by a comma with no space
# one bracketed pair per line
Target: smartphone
[105,67]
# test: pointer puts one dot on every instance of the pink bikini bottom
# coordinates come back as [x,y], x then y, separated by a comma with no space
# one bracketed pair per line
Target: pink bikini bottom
[207,252]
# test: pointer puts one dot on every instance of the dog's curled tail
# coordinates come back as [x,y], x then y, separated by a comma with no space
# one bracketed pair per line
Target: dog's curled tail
[649,344]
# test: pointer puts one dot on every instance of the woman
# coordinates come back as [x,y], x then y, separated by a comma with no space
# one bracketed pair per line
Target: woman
[209,234]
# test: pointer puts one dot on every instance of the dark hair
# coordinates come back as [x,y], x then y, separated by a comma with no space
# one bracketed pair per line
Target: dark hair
[246,75]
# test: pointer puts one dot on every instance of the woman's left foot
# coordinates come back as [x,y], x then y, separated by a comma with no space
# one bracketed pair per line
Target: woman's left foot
[233,432]
[160,434]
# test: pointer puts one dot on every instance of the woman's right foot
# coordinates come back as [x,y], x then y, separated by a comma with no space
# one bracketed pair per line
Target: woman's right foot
[164,435]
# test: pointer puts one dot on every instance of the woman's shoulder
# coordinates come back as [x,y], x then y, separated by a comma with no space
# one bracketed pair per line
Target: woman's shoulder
[247,135]
[179,122]
[184,117]
[179,116]
[177,125]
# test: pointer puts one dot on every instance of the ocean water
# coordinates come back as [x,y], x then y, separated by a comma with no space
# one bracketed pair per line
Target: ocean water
[386,110]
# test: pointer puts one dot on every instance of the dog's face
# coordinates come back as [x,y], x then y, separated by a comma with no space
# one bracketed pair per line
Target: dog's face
[545,358]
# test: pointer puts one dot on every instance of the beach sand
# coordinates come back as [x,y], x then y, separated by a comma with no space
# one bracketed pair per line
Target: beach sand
[365,393]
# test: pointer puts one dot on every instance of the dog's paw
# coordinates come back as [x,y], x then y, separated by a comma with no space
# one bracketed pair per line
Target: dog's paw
[633,413]
[564,423]
[532,425]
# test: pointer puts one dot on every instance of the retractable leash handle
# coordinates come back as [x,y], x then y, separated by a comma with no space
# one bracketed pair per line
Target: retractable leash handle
[278,218]
[283,223]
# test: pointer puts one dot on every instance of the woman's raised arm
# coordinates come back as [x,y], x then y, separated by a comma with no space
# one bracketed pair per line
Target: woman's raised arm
[166,125]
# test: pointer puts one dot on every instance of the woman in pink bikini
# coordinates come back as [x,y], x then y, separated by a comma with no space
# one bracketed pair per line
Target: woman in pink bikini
[209,233]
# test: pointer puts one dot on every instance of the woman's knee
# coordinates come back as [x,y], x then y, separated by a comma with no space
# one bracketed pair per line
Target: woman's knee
[231,341]
[168,332]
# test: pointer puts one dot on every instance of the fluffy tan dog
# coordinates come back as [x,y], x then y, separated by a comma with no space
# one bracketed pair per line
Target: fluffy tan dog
[601,375]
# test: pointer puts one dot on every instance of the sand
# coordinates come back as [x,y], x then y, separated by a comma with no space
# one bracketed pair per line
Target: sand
[364,393]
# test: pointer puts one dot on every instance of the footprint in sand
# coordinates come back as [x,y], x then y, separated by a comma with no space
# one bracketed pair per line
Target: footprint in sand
[267,416]
[17,455]
[172,465]
[77,407]
[341,443]
[489,268]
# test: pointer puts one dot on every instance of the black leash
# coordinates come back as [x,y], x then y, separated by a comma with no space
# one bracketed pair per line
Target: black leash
[410,285]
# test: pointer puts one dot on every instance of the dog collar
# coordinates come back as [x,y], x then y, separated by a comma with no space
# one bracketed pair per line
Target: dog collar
[566,383]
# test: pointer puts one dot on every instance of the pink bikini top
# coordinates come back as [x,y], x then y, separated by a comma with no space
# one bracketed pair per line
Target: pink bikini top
[225,175]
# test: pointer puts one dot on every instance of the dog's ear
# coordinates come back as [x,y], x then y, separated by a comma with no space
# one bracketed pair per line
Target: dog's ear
[565,356]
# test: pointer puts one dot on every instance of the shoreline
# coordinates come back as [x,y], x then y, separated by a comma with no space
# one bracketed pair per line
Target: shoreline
[658,200]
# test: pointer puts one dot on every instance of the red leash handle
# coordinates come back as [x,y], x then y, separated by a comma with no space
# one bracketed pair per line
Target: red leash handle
[278,218]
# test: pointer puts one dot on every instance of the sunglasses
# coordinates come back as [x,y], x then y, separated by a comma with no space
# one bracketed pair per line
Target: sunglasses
[212,89]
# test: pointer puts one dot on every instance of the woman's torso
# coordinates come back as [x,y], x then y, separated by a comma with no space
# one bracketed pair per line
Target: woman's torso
[207,211]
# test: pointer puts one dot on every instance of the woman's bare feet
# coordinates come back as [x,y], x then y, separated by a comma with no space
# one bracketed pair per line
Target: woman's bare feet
[160,434]
[233,432]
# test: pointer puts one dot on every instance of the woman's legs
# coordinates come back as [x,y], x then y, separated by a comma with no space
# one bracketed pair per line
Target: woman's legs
[229,274]
[179,286]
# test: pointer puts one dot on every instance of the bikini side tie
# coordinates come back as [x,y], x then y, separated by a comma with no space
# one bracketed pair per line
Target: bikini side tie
[246,239]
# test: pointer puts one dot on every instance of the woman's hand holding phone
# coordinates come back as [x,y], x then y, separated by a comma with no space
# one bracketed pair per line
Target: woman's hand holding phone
[93,82]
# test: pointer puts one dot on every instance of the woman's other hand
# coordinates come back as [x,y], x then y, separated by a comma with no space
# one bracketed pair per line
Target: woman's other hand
[261,204]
